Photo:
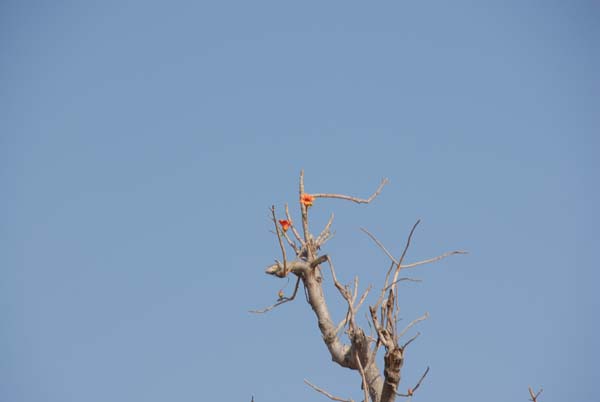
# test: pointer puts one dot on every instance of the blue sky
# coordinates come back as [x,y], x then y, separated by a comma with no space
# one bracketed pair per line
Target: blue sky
[142,143]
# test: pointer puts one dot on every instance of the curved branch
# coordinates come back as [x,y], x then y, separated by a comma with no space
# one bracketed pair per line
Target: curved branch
[327,394]
[280,302]
[354,199]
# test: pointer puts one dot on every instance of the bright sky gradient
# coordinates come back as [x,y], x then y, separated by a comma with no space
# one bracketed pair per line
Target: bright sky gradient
[142,143]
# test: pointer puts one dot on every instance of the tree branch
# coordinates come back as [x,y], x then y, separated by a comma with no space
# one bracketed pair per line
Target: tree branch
[413,322]
[280,302]
[399,263]
[434,259]
[380,244]
[533,395]
[279,238]
[365,385]
[354,199]
[304,210]
[327,394]
[294,231]
[412,390]
[325,233]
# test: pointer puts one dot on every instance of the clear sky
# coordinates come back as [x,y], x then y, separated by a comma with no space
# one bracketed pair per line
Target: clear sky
[142,143]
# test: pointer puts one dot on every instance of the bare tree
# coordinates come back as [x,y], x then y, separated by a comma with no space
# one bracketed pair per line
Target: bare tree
[360,354]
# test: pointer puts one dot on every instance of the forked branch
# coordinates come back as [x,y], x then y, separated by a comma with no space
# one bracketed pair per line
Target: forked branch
[414,322]
[533,395]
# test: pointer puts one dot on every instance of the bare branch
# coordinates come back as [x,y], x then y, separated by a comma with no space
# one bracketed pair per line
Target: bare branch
[325,233]
[434,259]
[298,267]
[348,296]
[410,341]
[362,298]
[280,302]
[294,231]
[353,310]
[304,210]
[421,379]
[402,280]
[365,385]
[291,243]
[412,390]
[533,395]
[395,262]
[278,231]
[338,285]
[415,321]
[385,286]
[343,323]
[399,263]
[327,394]
[382,335]
[354,199]
[381,246]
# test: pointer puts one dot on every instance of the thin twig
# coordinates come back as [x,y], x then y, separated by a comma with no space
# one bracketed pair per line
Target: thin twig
[415,321]
[280,302]
[279,238]
[294,231]
[434,259]
[342,323]
[355,291]
[362,375]
[399,263]
[325,233]
[292,244]
[362,298]
[402,280]
[412,390]
[346,295]
[380,244]
[410,341]
[338,285]
[327,394]
[533,395]
[354,199]
[353,310]
[304,210]
[385,286]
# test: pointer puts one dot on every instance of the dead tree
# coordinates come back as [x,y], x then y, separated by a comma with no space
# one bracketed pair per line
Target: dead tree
[379,385]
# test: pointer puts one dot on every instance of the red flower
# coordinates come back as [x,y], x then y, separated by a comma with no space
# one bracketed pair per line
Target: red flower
[285,224]
[307,200]
[410,392]
[280,294]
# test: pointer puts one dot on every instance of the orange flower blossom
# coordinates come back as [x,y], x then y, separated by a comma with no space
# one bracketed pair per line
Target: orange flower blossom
[285,224]
[307,200]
